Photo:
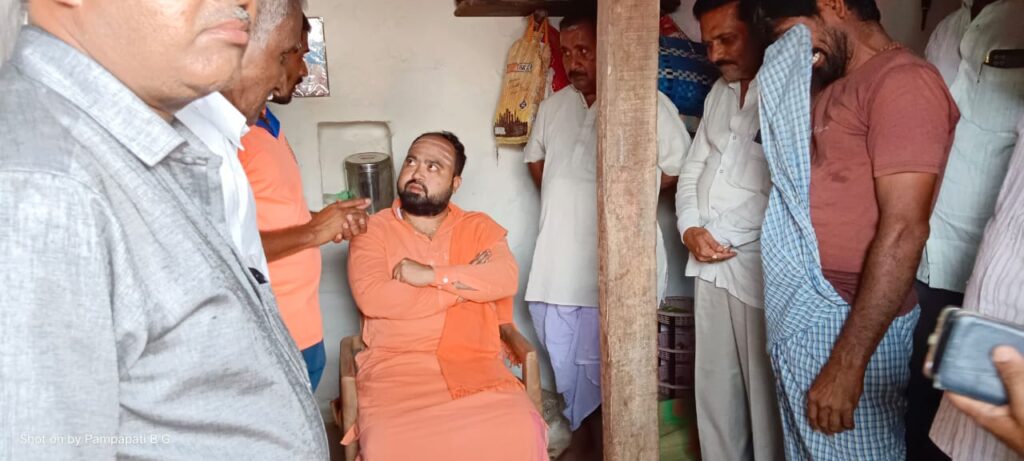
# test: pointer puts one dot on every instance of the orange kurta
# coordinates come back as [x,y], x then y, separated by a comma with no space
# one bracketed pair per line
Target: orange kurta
[273,173]
[405,408]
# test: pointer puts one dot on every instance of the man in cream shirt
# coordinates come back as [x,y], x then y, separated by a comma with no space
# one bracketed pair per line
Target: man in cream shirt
[720,203]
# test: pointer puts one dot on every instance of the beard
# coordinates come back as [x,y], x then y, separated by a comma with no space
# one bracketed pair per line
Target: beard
[423,205]
[835,59]
[282,99]
[286,98]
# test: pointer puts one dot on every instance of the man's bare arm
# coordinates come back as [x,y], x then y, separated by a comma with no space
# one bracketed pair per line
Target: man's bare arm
[336,222]
[536,172]
[669,182]
[905,202]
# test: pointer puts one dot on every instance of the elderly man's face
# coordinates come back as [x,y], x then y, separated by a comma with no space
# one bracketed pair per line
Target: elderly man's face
[263,68]
[295,71]
[169,52]
[579,53]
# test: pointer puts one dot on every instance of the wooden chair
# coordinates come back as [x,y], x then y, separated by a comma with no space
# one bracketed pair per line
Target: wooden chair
[346,405]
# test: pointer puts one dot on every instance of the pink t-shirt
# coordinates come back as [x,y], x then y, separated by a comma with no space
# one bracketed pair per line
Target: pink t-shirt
[891,115]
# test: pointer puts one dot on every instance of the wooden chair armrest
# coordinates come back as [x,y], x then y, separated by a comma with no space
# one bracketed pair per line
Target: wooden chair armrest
[515,341]
[350,346]
[525,353]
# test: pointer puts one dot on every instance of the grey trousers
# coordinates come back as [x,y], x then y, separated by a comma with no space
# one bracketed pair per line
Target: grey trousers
[737,409]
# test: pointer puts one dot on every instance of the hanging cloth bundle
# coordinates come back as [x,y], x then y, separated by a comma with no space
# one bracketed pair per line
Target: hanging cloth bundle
[523,87]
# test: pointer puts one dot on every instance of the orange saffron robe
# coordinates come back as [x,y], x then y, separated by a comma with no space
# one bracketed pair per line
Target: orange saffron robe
[406,410]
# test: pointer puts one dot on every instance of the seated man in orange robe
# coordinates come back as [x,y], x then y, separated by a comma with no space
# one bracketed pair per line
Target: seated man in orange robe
[433,283]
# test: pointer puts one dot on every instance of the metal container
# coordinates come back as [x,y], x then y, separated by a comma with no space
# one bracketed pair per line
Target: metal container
[371,175]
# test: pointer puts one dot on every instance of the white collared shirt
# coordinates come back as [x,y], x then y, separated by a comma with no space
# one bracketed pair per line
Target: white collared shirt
[991,100]
[220,126]
[996,291]
[943,49]
[724,188]
[564,135]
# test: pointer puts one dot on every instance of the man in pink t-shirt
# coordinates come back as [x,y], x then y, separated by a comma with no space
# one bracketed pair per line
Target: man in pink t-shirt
[883,123]
[291,234]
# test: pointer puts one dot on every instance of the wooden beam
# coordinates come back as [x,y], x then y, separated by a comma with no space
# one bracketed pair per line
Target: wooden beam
[555,8]
[469,8]
[627,63]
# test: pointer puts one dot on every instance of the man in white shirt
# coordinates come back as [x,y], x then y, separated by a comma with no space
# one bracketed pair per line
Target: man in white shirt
[991,100]
[964,428]
[221,120]
[220,123]
[220,126]
[563,291]
[720,204]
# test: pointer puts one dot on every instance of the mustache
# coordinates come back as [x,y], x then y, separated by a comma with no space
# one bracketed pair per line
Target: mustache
[577,74]
[212,18]
[725,62]
[413,181]
[241,14]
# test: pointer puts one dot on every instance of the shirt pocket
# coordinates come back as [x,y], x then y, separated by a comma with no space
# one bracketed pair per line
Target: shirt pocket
[750,169]
[263,290]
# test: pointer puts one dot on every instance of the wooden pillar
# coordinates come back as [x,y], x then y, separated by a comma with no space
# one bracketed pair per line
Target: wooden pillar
[627,52]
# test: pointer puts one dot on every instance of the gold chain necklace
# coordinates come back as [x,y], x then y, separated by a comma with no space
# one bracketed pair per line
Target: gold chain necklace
[891,46]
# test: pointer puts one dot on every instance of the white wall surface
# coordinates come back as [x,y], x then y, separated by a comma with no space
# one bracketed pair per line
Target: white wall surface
[415,67]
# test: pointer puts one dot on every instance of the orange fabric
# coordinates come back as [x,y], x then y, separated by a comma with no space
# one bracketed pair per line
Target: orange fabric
[406,410]
[470,341]
[277,186]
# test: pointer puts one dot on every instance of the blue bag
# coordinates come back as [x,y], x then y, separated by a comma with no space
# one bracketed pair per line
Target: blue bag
[685,74]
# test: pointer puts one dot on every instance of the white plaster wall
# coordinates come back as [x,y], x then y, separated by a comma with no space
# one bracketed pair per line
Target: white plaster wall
[417,68]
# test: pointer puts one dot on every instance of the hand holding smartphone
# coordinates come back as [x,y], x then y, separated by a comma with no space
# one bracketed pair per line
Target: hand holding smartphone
[960,354]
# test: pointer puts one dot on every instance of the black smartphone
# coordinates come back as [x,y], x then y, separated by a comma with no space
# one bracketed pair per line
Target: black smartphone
[960,354]
[1005,59]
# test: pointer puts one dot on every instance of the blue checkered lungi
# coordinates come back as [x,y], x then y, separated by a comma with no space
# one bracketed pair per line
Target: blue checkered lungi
[804,313]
